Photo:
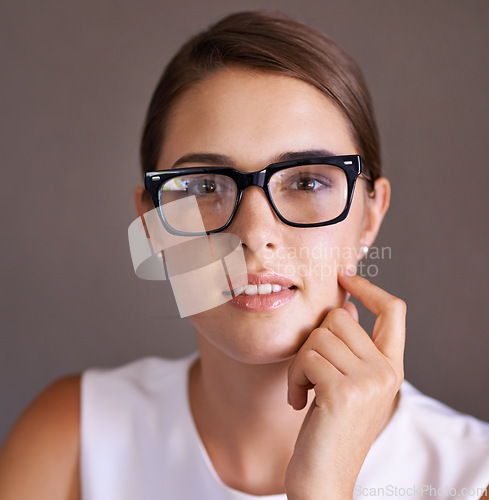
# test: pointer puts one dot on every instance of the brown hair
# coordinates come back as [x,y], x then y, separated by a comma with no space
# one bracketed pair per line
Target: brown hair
[271,42]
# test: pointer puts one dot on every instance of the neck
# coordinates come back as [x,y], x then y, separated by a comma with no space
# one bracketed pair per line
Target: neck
[241,412]
[245,422]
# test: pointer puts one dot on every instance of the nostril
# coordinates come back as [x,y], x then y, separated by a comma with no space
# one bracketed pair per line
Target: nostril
[268,245]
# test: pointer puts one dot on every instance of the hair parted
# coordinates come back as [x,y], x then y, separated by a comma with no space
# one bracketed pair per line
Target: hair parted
[271,42]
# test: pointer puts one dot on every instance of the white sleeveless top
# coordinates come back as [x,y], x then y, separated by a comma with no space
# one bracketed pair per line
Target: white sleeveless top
[139,442]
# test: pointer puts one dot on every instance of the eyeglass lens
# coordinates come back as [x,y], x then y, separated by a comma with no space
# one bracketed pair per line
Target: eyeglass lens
[304,194]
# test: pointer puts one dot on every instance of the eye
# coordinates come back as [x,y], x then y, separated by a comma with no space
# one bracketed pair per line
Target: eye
[203,186]
[304,182]
[206,186]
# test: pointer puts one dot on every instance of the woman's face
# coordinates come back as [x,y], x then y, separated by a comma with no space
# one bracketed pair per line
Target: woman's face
[254,119]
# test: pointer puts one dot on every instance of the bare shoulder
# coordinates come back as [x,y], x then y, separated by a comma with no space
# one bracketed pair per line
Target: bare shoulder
[40,457]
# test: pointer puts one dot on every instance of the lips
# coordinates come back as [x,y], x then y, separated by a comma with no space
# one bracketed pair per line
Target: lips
[261,282]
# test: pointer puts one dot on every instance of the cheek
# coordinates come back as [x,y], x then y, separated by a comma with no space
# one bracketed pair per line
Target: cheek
[334,251]
[322,255]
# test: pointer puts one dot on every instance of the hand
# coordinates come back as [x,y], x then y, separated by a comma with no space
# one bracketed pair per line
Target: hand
[355,380]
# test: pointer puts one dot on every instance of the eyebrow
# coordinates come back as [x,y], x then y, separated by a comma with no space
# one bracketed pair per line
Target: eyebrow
[223,160]
[300,155]
[205,159]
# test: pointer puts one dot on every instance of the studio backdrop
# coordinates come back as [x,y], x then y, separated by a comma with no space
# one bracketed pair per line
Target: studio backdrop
[76,78]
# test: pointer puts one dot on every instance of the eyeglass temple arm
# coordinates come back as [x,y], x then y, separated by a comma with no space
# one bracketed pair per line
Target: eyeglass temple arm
[367,176]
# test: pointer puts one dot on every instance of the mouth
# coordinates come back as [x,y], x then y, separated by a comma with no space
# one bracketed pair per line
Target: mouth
[261,289]
[261,292]
[259,284]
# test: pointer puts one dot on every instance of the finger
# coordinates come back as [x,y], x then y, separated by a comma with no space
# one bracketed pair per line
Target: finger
[342,324]
[326,344]
[352,310]
[329,345]
[312,369]
[371,296]
[389,329]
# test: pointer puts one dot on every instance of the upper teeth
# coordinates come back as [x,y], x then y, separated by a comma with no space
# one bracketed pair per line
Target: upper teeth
[258,289]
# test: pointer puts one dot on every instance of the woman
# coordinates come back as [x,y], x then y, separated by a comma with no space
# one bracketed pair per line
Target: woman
[288,395]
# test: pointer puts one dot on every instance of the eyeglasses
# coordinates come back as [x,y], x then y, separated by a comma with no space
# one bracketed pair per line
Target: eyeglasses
[309,192]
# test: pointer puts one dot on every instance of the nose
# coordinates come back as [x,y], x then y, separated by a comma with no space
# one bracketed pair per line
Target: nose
[255,222]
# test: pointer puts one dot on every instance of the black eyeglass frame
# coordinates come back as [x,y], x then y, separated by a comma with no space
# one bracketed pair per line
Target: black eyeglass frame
[350,164]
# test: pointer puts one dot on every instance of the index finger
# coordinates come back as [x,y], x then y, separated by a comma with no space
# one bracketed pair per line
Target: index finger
[389,330]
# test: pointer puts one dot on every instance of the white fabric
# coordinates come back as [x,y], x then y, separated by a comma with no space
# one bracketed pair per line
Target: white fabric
[139,442]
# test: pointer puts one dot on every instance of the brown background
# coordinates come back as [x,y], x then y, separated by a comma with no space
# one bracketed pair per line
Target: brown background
[75,81]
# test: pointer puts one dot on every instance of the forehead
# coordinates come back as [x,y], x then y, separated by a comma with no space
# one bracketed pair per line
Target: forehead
[253,117]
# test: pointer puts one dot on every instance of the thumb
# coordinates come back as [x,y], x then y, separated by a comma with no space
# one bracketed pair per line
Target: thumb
[350,307]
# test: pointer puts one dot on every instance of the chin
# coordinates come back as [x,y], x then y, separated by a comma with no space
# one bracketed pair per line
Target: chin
[254,342]
[265,356]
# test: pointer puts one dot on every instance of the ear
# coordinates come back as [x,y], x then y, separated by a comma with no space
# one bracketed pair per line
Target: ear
[143,201]
[377,205]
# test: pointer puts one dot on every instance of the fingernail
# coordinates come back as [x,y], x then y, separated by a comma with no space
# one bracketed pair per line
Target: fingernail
[349,270]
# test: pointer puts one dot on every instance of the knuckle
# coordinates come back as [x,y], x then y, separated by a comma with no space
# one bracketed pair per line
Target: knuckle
[310,356]
[337,314]
[313,336]
[303,358]
[400,375]
[391,378]
[398,305]
[320,333]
